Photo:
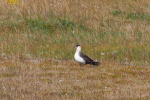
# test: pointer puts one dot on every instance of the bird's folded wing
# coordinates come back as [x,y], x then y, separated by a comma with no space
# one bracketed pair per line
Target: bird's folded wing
[85,57]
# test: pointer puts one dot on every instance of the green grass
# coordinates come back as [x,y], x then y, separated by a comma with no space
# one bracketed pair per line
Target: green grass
[138,15]
[39,38]
[52,32]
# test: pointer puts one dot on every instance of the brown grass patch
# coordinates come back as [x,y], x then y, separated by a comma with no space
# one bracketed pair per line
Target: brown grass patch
[26,80]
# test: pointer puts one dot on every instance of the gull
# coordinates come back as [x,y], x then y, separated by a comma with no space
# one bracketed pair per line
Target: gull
[82,58]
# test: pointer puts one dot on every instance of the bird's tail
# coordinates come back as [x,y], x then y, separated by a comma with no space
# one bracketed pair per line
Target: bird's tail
[95,63]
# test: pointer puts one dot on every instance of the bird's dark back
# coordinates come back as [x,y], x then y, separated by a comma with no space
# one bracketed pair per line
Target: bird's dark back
[86,58]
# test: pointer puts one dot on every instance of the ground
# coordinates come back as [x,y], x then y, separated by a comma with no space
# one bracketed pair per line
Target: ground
[43,79]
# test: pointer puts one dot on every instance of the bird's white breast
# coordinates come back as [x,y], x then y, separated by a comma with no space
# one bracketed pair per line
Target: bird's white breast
[78,58]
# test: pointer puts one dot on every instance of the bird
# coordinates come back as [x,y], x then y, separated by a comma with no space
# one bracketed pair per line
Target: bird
[82,58]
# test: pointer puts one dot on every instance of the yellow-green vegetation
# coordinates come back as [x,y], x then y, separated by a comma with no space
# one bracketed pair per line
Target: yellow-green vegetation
[37,39]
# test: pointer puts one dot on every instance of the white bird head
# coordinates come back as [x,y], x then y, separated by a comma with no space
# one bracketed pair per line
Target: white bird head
[78,48]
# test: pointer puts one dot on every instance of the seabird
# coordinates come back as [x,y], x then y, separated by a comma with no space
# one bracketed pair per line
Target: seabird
[82,58]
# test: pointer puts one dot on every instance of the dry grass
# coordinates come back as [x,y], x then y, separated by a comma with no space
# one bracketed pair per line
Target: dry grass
[50,79]
[34,31]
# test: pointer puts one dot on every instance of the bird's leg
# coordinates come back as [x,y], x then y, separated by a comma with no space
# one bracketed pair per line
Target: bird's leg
[80,64]
[83,65]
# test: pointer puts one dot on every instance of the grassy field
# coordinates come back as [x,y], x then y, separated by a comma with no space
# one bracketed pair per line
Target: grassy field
[37,39]
[61,80]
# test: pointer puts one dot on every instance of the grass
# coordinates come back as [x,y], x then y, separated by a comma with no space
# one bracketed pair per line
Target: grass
[37,47]
[44,79]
